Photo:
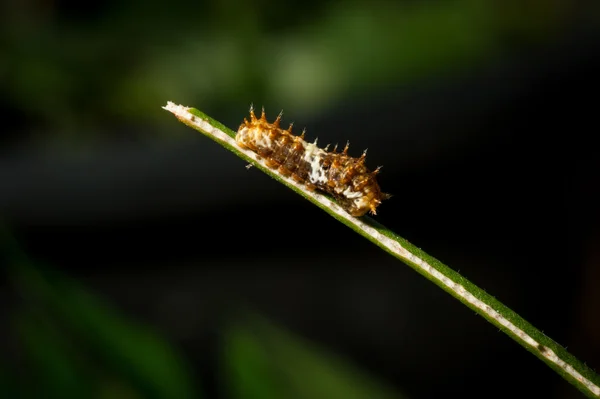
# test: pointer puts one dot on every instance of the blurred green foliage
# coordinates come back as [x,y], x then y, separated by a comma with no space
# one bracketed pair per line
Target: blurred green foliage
[264,361]
[76,346]
[71,344]
[79,70]
[76,69]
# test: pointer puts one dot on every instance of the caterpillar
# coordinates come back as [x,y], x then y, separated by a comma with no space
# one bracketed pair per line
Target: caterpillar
[346,178]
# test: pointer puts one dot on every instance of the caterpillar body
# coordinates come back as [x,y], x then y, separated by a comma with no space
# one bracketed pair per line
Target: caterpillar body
[346,178]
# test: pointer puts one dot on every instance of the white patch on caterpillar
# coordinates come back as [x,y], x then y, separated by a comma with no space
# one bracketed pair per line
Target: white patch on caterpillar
[361,202]
[313,156]
[262,139]
[360,199]
[242,137]
[348,193]
[253,136]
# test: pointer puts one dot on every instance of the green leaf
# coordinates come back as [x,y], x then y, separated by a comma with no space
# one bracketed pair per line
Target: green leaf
[130,358]
[134,351]
[137,353]
[266,362]
[50,360]
[482,303]
[8,383]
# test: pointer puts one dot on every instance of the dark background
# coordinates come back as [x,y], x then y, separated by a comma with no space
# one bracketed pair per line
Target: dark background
[484,115]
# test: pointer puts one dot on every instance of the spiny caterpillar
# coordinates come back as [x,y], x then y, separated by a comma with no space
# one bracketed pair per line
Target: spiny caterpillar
[346,178]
